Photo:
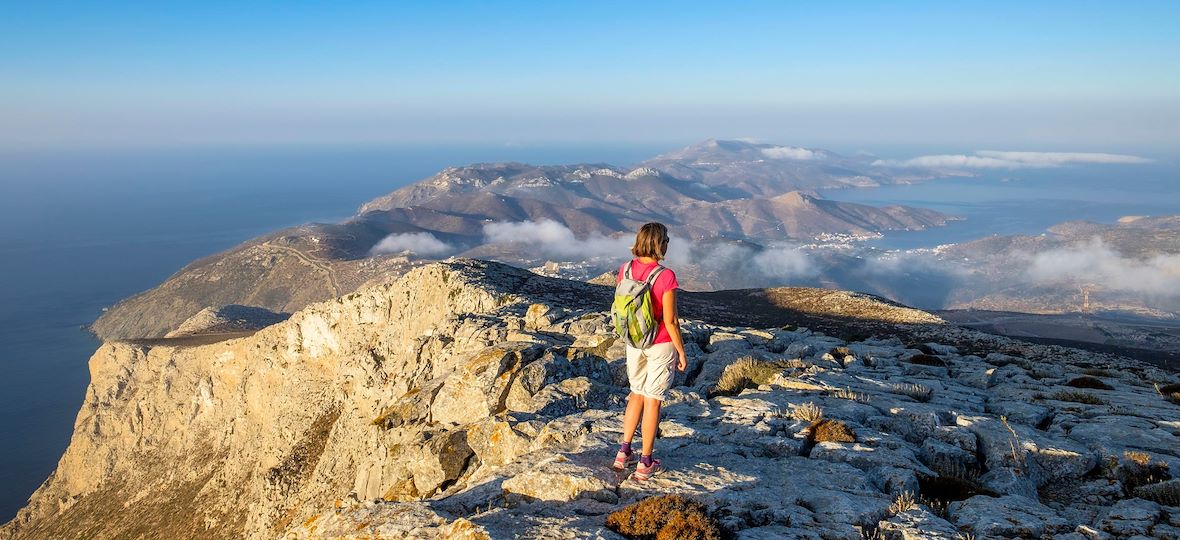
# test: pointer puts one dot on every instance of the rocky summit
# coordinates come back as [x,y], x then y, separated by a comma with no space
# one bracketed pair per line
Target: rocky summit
[469,399]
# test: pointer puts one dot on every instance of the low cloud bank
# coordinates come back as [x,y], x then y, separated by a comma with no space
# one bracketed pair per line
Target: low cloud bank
[790,152]
[993,159]
[552,239]
[422,244]
[1095,263]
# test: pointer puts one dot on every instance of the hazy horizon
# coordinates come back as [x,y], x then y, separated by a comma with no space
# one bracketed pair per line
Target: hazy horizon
[1049,76]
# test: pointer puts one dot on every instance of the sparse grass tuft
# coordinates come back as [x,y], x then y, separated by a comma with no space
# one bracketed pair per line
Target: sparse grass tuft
[1077,397]
[1089,382]
[913,390]
[807,412]
[828,430]
[847,393]
[664,517]
[905,501]
[1166,493]
[926,360]
[746,372]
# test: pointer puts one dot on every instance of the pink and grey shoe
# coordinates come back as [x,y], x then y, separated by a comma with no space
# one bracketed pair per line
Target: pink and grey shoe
[623,459]
[643,473]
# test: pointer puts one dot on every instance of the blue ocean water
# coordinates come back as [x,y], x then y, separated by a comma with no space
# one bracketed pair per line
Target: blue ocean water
[1027,201]
[81,230]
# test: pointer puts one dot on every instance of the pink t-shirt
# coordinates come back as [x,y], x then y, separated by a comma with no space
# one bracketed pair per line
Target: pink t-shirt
[665,282]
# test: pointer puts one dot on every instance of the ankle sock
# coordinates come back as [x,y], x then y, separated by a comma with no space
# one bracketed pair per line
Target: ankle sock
[645,460]
[625,448]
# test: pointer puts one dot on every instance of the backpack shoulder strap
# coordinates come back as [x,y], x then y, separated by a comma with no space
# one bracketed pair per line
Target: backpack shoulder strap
[651,277]
[627,269]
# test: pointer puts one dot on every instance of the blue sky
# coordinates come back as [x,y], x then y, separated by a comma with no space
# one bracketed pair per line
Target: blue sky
[1080,74]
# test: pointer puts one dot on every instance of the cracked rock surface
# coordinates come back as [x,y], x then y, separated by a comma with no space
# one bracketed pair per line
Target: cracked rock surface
[475,400]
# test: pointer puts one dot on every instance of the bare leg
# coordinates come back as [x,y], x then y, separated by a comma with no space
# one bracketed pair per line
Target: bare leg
[631,417]
[651,422]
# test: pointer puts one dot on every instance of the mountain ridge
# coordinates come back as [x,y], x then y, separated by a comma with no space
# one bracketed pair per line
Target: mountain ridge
[288,269]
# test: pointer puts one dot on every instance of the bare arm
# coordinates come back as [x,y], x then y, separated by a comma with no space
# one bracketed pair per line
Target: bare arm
[672,323]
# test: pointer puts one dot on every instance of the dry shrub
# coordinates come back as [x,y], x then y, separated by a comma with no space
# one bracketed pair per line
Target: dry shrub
[807,412]
[828,430]
[664,517]
[1171,392]
[1138,469]
[746,372]
[849,394]
[1077,397]
[904,502]
[1166,493]
[926,360]
[1089,382]
[913,390]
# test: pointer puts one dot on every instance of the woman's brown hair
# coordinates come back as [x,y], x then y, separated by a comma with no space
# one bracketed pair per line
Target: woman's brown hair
[651,241]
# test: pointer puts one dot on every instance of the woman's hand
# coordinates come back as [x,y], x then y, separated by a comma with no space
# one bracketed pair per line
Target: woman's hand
[682,362]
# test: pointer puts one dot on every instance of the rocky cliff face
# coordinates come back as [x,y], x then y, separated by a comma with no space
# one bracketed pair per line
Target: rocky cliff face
[470,399]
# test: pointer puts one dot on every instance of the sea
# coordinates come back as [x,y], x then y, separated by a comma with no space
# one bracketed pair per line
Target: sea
[82,229]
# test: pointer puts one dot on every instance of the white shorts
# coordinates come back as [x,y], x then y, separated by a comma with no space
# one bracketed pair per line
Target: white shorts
[650,370]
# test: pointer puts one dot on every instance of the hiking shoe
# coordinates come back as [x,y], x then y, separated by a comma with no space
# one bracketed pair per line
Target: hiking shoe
[643,473]
[622,460]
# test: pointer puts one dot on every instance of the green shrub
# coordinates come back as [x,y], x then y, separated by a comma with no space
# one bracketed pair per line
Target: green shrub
[746,372]
[664,517]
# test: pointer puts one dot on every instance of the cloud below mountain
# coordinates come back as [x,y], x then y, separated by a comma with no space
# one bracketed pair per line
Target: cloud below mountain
[790,152]
[1096,263]
[422,244]
[554,239]
[993,159]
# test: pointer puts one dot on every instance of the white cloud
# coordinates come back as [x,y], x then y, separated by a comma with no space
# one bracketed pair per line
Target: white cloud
[993,159]
[552,238]
[790,152]
[1095,263]
[783,262]
[420,243]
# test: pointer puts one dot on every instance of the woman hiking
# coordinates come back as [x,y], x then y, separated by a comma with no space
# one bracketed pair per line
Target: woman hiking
[650,361]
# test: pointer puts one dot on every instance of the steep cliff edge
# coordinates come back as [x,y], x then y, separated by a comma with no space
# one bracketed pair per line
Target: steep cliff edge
[472,398]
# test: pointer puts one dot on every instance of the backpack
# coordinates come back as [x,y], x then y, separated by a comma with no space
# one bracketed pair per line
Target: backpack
[633,311]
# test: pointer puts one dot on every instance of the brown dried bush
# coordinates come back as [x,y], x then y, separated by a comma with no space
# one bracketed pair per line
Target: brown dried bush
[828,430]
[664,517]
[1171,392]
[1138,469]
[1089,382]
[926,360]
